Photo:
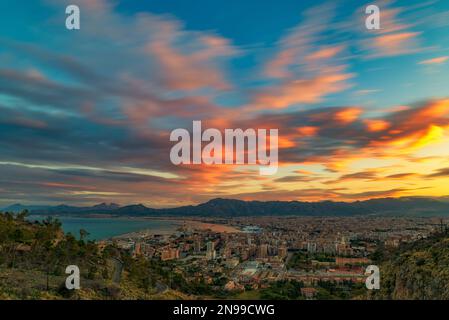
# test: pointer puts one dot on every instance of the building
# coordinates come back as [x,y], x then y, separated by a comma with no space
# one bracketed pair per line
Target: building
[340,261]
[210,252]
[169,254]
[197,246]
[311,247]
[263,251]
[227,252]
[282,252]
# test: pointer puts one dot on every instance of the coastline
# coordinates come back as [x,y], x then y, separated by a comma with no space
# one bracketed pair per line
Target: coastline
[211,224]
[214,227]
[182,223]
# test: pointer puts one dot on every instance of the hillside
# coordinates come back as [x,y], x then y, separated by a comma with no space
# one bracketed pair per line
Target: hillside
[33,258]
[419,270]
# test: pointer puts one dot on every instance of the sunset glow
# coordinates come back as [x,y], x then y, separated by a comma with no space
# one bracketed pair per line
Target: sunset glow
[86,115]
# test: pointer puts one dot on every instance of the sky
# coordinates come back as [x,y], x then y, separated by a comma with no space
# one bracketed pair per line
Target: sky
[86,115]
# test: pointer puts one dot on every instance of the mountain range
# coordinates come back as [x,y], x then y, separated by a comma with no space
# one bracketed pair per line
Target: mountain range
[405,206]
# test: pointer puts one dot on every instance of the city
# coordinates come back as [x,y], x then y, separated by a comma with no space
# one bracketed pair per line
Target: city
[198,154]
[257,251]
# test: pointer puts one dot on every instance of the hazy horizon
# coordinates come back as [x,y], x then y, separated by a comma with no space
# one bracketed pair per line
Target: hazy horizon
[155,206]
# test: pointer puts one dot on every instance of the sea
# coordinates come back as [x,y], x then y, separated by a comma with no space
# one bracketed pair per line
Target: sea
[108,227]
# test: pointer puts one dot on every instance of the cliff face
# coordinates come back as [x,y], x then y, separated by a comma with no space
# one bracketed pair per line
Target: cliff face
[417,271]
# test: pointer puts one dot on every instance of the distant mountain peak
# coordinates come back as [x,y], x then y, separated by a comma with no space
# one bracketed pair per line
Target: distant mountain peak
[221,207]
[106,206]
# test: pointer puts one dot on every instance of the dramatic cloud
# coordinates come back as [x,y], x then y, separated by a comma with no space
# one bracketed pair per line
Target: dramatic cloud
[306,73]
[86,116]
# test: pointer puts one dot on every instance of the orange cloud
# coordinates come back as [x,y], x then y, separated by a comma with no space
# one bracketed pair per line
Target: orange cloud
[376,125]
[307,131]
[186,71]
[302,90]
[184,68]
[415,128]
[436,110]
[286,142]
[437,60]
[347,115]
[299,43]
[277,68]
[390,21]
[394,44]
[306,72]
[325,53]
[394,36]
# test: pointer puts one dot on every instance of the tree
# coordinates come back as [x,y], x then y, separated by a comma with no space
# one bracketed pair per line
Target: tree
[83,234]
[21,216]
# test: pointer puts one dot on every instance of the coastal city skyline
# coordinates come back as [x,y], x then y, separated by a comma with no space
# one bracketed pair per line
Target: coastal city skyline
[87,114]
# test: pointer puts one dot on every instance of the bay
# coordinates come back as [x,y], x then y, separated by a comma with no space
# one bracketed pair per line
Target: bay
[104,228]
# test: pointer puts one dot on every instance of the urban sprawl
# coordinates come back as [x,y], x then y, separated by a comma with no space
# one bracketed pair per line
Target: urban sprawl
[252,252]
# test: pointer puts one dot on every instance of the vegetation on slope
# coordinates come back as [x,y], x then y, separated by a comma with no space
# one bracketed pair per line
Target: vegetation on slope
[418,270]
[34,255]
